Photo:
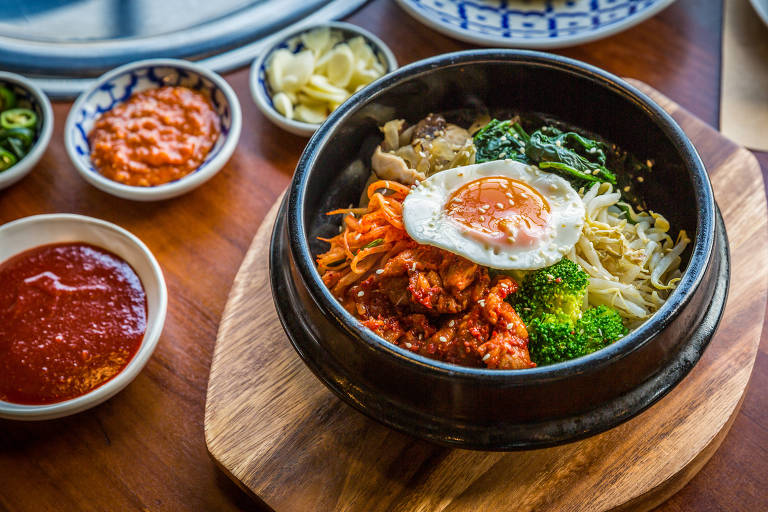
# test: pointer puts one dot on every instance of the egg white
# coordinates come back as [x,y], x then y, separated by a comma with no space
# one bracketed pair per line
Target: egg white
[426,221]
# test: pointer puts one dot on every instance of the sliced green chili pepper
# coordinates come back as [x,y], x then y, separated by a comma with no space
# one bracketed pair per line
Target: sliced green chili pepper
[25,135]
[16,147]
[7,159]
[7,98]
[18,118]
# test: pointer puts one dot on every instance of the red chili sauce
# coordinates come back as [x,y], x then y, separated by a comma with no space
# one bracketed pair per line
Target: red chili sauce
[71,317]
[156,136]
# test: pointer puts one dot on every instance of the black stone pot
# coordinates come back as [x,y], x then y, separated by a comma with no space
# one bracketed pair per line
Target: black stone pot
[496,409]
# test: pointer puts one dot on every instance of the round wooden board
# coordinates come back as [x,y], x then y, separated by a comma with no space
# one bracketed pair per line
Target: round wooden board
[278,432]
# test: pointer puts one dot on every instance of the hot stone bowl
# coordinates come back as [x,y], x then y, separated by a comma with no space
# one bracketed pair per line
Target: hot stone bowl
[498,409]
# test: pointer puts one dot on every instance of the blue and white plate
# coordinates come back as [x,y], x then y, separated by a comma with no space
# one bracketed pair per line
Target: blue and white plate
[531,23]
[117,86]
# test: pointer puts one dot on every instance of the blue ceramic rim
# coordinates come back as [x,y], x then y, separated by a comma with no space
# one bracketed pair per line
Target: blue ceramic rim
[477,37]
[257,77]
[692,277]
[215,159]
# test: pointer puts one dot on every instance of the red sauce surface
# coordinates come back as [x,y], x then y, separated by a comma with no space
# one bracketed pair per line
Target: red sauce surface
[71,317]
[158,135]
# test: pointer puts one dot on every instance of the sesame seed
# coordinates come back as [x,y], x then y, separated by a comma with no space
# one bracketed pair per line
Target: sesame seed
[380,271]
[481,218]
[640,179]
[558,143]
[408,345]
[443,339]
[341,228]
[451,323]
[626,189]
[360,293]
[481,302]
[509,195]
[510,326]
[486,357]
[499,205]
[511,202]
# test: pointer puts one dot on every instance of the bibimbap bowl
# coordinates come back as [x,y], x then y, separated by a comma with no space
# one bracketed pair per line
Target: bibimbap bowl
[482,408]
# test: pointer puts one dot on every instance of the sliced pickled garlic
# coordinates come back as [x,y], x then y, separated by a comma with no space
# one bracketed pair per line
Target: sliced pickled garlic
[362,77]
[362,52]
[310,115]
[322,75]
[320,88]
[283,104]
[275,68]
[319,40]
[340,65]
[297,70]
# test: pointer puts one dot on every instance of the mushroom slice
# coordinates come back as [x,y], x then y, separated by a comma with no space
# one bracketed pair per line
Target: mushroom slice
[391,167]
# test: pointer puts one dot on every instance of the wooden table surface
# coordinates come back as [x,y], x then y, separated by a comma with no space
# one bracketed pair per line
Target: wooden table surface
[144,448]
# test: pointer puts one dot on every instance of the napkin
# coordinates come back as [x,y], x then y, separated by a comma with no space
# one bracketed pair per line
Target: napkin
[744,86]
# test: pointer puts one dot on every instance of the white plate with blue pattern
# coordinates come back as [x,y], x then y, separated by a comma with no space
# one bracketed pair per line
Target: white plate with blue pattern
[531,23]
[117,86]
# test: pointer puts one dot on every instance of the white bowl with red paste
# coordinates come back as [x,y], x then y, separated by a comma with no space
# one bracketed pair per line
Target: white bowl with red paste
[82,307]
[153,129]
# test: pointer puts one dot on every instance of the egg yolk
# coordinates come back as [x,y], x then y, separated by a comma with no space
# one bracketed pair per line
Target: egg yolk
[500,210]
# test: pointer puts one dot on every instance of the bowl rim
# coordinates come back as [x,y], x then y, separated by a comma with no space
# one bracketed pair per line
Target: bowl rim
[692,277]
[11,410]
[264,102]
[30,160]
[174,188]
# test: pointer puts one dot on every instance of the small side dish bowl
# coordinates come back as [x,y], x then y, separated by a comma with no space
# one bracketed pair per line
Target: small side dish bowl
[29,232]
[31,96]
[261,90]
[117,86]
[483,408]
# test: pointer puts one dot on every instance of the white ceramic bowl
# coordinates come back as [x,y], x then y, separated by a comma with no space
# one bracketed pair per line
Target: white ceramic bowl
[260,90]
[27,92]
[117,86]
[29,232]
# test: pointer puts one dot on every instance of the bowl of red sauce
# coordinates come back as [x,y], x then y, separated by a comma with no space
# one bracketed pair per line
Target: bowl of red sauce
[153,129]
[82,307]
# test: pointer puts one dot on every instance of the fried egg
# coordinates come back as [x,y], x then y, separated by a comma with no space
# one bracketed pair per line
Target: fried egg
[502,214]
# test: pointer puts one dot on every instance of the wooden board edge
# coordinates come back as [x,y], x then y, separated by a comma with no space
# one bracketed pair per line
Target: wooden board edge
[663,492]
[263,233]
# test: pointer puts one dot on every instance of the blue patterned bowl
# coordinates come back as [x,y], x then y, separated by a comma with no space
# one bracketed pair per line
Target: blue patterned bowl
[28,95]
[531,23]
[117,86]
[261,92]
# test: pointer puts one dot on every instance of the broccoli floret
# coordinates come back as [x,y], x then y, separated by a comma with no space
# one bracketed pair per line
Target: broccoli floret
[552,338]
[599,327]
[558,289]
[550,302]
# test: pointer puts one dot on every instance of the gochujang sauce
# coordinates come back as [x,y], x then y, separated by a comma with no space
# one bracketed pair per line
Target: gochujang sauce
[156,136]
[72,316]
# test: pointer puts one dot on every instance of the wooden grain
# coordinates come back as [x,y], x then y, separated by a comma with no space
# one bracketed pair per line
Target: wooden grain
[144,449]
[277,430]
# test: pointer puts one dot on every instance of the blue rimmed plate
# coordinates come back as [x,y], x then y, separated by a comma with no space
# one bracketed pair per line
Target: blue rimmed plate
[117,86]
[531,23]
